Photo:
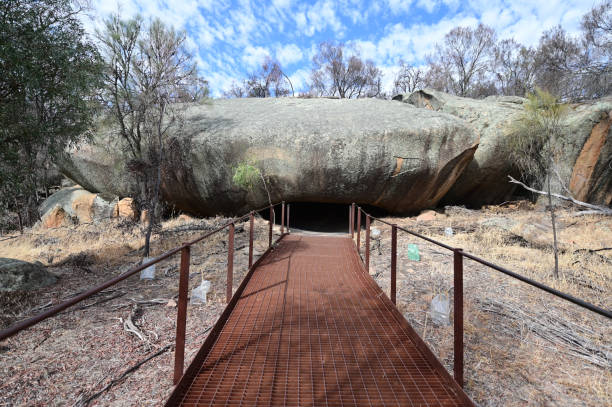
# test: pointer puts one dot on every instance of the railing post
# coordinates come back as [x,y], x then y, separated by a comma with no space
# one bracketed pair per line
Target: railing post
[181,318]
[283,218]
[458,315]
[367,244]
[251,230]
[288,208]
[393,262]
[358,230]
[352,220]
[270,226]
[230,263]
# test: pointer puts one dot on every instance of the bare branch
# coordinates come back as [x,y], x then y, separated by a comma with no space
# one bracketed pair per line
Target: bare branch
[594,208]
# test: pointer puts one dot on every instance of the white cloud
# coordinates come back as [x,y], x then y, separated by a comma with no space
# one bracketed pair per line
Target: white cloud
[300,80]
[428,5]
[254,56]
[318,17]
[288,54]
[399,6]
[281,3]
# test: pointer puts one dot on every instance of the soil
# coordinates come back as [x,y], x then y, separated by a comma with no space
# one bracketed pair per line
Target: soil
[522,346]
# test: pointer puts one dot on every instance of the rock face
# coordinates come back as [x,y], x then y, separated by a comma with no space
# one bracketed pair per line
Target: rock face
[585,147]
[74,203]
[55,218]
[484,180]
[125,209]
[402,157]
[388,154]
[21,275]
[586,160]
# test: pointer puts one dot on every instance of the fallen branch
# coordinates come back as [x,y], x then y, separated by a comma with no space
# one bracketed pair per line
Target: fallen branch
[114,382]
[129,325]
[595,209]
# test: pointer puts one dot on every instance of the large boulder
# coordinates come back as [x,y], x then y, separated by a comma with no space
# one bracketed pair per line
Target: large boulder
[584,147]
[485,179]
[370,151]
[21,275]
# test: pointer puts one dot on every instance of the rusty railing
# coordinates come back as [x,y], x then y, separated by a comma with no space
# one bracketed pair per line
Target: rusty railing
[458,255]
[185,250]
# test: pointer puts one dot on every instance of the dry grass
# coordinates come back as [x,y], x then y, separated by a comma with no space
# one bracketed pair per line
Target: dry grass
[513,352]
[522,346]
[66,359]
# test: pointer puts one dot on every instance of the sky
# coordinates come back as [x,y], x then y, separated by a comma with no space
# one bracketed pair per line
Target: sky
[229,39]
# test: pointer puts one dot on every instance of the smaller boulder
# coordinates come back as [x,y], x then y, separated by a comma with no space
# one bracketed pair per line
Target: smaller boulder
[55,218]
[125,209]
[185,218]
[427,216]
[82,206]
[20,275]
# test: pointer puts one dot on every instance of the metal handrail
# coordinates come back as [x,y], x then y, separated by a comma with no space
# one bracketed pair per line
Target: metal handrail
[183,281]
[458,255]
[557,293]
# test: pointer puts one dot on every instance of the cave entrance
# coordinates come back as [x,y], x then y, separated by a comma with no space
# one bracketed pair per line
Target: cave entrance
[321,217]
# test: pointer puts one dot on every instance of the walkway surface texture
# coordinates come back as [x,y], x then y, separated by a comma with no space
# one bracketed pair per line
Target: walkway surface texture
[311,328]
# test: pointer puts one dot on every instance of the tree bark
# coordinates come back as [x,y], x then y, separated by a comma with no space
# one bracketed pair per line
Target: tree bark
[554,228]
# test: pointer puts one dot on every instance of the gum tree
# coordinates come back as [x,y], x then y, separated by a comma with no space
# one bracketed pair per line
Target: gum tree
[49,73]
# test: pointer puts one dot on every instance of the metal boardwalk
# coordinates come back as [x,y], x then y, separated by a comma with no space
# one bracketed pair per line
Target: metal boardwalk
[309,327]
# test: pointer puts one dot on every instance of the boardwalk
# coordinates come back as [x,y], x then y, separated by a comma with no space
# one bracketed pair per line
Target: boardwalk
[311,328]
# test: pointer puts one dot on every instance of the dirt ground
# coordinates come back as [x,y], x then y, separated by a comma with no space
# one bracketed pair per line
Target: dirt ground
[523,346]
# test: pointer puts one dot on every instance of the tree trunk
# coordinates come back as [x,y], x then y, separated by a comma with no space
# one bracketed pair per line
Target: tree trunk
[155,200]
[554,227]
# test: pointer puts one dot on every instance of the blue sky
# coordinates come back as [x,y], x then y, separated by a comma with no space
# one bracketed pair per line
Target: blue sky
[231,38]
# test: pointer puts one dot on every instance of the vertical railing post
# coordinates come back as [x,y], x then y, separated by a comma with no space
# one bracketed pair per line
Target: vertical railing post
[181,318]
[283,218]
[270,222]
[458,315]
[288,212]
[358,230]
[230,263]
[251,232]
[352,220]
[367,244]
[393,262]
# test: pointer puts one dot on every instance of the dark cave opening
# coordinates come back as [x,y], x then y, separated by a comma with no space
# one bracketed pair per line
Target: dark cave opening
[321,217]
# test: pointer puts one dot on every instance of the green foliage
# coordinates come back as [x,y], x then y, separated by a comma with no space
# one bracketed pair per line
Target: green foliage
[49,73]
[532,141]
[246,176]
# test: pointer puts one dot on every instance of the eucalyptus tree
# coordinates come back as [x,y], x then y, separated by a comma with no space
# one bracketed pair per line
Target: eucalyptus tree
[340,72]
[147,72]
[462,63]
[49,72]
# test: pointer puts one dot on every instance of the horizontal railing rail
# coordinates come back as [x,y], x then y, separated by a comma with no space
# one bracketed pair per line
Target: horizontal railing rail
[458,255]
[185,250]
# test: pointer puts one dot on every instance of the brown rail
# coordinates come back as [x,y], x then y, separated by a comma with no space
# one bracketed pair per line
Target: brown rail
[458,255]
[308,327]
[183,282]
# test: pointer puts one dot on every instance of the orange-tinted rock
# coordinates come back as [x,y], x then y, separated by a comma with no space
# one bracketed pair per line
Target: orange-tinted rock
[55,218]
[125,209]
[185,218]
[82,206]
[581,180]
[427,216]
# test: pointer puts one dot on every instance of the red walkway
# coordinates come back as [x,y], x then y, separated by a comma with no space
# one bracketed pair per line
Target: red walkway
[311,328]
